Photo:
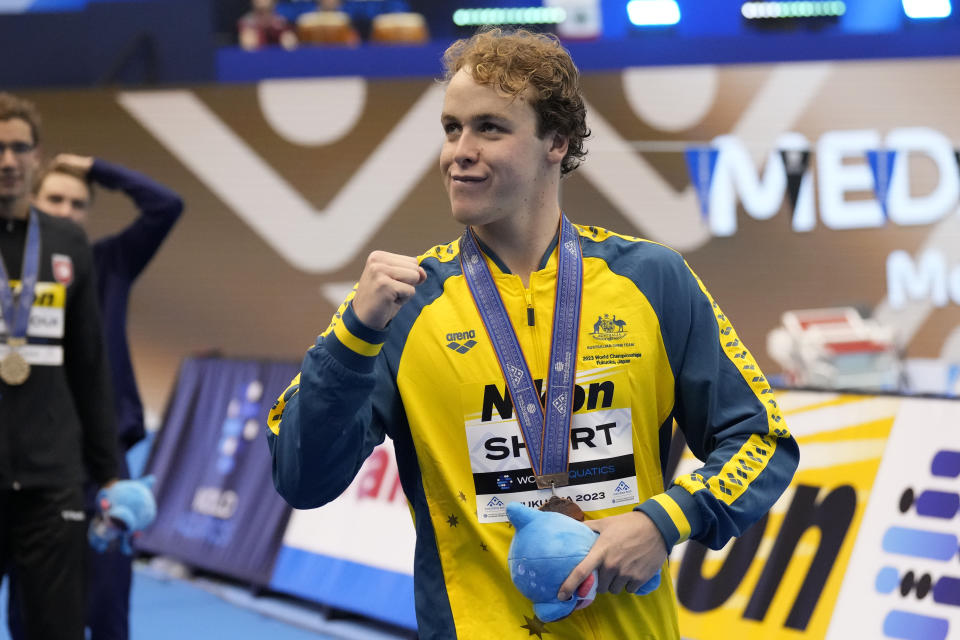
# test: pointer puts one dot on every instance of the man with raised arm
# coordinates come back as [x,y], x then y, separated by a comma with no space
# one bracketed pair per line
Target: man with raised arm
[64,189]
[528,358]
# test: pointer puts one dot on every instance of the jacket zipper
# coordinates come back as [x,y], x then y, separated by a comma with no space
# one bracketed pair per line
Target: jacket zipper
[535,362]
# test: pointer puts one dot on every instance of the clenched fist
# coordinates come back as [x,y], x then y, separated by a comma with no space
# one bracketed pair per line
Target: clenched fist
[388,281]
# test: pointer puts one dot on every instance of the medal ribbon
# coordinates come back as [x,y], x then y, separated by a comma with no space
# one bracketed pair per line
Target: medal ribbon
[546,430]
[17,315]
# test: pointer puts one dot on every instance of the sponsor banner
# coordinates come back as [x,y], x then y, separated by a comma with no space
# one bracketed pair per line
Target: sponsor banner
[216,505]
[905,567]
[47,313]
[601,447]
[355,553]
[851,535]
[354,526]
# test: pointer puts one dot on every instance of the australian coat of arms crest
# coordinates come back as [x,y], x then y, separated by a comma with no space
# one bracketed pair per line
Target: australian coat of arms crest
[608,327]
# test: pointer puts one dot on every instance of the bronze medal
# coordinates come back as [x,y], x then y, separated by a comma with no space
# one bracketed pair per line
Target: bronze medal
[14,369]
[566,506]
[553,480]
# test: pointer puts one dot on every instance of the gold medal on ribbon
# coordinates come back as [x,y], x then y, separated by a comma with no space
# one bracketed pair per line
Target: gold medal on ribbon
[14,369]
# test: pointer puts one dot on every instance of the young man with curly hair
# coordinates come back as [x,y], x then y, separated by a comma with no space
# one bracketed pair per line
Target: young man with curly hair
[530,357]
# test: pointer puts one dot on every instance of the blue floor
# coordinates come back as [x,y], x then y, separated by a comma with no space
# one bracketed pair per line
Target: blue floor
[164,608]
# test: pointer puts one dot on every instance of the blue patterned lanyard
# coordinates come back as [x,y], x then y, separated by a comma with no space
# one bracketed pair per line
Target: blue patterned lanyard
[546,430]
[17,314]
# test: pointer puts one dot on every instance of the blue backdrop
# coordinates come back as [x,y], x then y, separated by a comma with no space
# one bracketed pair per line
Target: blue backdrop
[217,508]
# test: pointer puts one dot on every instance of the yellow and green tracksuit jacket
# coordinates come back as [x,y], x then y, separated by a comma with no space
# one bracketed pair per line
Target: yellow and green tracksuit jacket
[653,348]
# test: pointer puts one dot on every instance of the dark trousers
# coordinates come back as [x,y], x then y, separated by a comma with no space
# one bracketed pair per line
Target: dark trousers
[43,542]
[109,578]
[108,594]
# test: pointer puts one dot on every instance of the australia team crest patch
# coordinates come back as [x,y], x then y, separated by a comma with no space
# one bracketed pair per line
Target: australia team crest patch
[609,328]
[62,268]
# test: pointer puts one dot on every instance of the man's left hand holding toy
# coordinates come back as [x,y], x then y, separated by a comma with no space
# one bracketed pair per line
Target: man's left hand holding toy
[124,509]
[628,552]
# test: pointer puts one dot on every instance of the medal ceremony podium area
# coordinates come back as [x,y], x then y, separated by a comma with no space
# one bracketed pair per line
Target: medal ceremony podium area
[804,157]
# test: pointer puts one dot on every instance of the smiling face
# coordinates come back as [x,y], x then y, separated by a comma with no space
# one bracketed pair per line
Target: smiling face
[493,164]
[64,196]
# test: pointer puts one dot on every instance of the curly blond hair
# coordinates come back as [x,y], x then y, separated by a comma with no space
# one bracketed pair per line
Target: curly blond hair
[511,61]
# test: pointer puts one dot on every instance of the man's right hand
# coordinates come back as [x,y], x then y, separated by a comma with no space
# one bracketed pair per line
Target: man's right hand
[82,163]
[388,281]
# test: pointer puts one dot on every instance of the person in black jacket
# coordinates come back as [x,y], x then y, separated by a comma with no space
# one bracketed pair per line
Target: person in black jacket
[57,425]
[65,189]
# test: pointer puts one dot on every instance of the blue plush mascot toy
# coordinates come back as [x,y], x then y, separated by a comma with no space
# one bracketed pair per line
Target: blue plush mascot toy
[545,549]
[123,510]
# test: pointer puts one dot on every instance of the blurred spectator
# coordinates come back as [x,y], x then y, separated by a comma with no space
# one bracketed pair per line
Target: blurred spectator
[263,27]
[399,28]
[329,24]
